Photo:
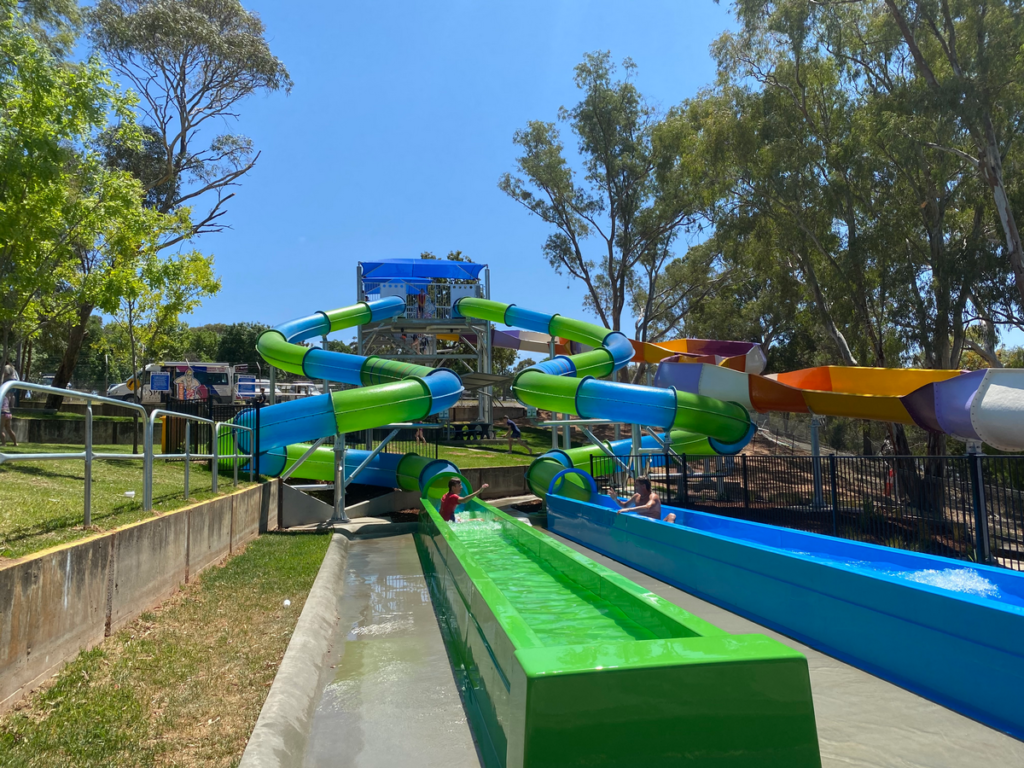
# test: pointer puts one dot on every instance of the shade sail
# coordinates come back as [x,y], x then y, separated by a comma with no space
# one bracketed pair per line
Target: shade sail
[404,269]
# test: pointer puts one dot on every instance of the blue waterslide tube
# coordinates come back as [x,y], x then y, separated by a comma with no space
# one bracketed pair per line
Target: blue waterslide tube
[597,399]
[402,391]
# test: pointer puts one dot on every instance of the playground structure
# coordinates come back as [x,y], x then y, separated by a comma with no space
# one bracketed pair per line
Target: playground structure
[531,680]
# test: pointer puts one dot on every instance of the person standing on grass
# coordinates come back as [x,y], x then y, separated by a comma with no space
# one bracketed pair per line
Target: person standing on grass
[644,501]
[7,422]
[514,435]
[11,374]
[452,499]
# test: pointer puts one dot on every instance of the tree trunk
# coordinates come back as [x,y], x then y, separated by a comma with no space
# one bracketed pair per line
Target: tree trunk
[69,361]
[823,311]
[992,172]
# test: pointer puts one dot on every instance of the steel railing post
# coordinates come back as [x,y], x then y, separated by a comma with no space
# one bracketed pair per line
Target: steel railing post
[88,466]
[216,461]
[188,460]
[147,465]
[234,452]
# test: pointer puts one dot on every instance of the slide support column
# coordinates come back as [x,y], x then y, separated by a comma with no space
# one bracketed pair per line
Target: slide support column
[339,479]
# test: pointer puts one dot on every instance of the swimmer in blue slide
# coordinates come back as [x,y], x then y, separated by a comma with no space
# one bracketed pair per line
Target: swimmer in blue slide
[644,501]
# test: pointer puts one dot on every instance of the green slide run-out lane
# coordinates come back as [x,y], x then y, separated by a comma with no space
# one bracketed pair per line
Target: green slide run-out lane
[566,663]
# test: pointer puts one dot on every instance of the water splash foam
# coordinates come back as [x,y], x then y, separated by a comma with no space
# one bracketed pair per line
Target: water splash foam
[954,580]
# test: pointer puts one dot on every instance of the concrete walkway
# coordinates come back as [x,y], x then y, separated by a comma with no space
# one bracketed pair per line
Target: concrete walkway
[862,720]
[393,700]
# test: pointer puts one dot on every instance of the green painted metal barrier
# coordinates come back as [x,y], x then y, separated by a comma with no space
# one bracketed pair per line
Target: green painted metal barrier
[566,663]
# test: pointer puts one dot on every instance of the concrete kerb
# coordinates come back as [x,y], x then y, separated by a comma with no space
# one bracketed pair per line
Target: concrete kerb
[282,730]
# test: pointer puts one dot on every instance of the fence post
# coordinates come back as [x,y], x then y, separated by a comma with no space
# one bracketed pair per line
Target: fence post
[832,464]
[686,481]
[746,487]
[87,520]
[668,478]
[188,446]
[981,539]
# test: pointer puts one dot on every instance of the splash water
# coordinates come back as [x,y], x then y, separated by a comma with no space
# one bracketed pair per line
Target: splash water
[954,580]
[965,581]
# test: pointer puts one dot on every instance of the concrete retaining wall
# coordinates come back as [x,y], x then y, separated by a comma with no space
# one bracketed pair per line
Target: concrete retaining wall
[72,431]
[56,603]
[504,481]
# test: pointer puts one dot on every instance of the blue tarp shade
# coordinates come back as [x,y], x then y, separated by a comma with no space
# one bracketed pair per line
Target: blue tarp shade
[404,269]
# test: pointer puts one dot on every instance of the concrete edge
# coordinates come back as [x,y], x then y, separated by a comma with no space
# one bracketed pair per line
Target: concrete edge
[10,562]
[375,530]
[282,729]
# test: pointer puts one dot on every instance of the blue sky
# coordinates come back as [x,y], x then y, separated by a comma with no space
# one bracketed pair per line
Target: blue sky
[399,127]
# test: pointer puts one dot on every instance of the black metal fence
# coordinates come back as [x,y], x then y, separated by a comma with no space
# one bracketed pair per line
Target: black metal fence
[200,434]
[406,441]
[964,507]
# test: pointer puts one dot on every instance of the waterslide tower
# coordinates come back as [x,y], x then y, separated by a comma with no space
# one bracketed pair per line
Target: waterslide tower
[428,331]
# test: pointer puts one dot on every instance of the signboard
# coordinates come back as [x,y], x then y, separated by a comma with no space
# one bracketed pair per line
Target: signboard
[159,382]
[246,387]
[243,368]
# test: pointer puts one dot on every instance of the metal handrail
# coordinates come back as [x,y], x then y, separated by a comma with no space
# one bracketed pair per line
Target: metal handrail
[87,455]
[189,457]
[148,453]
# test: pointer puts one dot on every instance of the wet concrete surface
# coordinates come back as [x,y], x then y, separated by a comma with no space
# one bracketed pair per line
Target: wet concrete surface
[863,721]
[393,700]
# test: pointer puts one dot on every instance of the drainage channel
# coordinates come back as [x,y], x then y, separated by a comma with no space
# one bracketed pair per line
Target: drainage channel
[393,699]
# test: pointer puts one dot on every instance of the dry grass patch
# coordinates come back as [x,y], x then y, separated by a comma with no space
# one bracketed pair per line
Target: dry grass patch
[182,685]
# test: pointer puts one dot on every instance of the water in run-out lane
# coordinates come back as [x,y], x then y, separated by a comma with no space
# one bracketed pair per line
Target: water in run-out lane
[558,610]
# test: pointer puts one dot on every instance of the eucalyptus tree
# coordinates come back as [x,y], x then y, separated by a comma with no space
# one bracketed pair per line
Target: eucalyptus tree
[607,217]
[956,60]
[192,62]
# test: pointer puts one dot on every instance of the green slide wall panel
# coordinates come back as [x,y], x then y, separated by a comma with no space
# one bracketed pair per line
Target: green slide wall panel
[367,408]
[552,393]
[349,317]
[278,352]
[598,363]
[690,695]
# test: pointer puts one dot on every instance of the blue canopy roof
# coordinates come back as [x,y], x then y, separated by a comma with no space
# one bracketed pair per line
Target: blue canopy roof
[411,269]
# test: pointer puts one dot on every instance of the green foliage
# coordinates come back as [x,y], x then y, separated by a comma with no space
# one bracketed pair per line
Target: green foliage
[60,206]
[155,293]
[835,181]
[192,62]
[615,223]
[237,344]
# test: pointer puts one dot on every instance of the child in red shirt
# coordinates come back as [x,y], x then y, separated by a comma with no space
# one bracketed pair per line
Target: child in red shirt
[452,499]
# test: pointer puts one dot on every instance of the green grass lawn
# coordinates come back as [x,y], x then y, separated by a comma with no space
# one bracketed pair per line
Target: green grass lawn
[41,502]
[494,453]
[183,684]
